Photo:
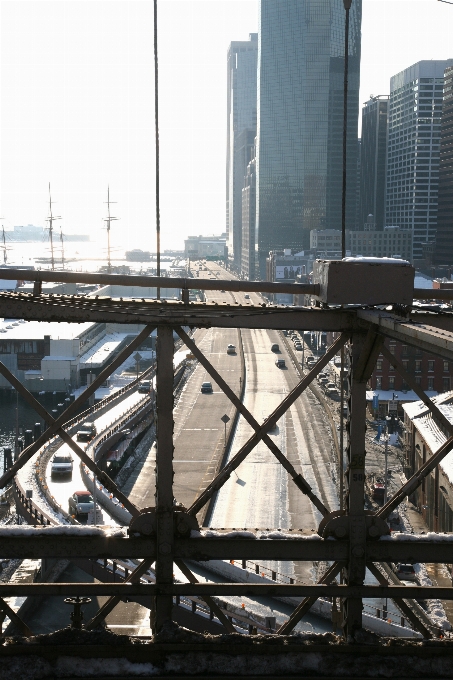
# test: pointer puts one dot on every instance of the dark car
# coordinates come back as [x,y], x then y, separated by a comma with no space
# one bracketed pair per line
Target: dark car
[86,432]
[280,363]
[145,386]
[206,387]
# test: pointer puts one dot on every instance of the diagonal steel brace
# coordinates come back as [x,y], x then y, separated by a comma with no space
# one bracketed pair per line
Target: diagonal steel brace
[243,452]
[100,474]
[417,478]
[72,408]
[209,601]
[308,602]
[298,479]
[417,389]
[400,603]
[15,619]
[111,603]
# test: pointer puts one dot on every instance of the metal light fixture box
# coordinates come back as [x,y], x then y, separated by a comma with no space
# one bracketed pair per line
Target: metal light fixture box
[364,281]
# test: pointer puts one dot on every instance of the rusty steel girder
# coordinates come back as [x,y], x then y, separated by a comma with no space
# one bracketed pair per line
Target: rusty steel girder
[163,534]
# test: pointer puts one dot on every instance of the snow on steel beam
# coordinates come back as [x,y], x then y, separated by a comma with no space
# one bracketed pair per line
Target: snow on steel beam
[427,337]
[80,308]
[37,543]
[160,282]
[125,590]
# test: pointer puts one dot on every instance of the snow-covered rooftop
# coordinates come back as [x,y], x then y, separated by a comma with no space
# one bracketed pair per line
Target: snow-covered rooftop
[394,395]
[13,329]
[430,430]
[97,355]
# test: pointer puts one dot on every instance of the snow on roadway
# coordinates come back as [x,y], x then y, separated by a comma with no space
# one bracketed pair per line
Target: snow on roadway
[257,493]
[62,488]
[248,499]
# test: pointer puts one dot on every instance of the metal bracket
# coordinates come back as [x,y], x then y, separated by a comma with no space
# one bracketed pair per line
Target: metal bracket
[146,522]
[338,525]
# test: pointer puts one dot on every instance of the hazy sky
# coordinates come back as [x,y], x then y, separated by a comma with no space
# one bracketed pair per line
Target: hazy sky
[77,105]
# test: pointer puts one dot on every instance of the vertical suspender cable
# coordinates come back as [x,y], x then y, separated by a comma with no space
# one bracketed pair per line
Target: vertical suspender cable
[156,129]
[347,7]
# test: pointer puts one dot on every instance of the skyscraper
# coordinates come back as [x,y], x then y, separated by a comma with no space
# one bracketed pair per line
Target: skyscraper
[300,120]
[241,132]
[444,237]
[373,161]
[248,222]
[414,116]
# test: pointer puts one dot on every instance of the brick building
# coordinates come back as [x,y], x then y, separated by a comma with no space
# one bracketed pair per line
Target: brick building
[430,372]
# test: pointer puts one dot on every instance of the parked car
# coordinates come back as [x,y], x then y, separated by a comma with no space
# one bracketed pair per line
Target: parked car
[80,503]
[61,465]
[145,386]
[405,572]
[298,346]
[322,375]
[323,381]
[206,387]
[311,361]
[378,491]
[231,349]
[330,385]
[275,347]
[333,393]
[86,432]
[280,363]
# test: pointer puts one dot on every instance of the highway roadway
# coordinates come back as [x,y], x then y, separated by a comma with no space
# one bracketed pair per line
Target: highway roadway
[261,494]
[199,432]
[61,488]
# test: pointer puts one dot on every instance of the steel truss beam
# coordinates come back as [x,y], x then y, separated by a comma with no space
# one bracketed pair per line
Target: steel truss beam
[426,337]
[363,327]
[104,309]
[36,544]
[124,590]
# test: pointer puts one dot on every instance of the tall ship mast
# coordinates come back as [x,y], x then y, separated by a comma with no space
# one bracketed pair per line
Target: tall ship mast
[5,257]
[109,219]
[50,220]
[62,247]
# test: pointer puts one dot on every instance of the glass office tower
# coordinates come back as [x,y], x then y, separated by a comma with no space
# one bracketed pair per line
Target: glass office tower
[373,162]
[241,132]
[414,120]
[300,120]
[443,254]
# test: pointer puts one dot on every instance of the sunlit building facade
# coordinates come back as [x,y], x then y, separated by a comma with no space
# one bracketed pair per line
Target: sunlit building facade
[300,121]
[414,122]
[241,132]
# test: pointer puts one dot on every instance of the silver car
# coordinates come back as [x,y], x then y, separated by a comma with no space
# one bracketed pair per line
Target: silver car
[61,465]
[80,503]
